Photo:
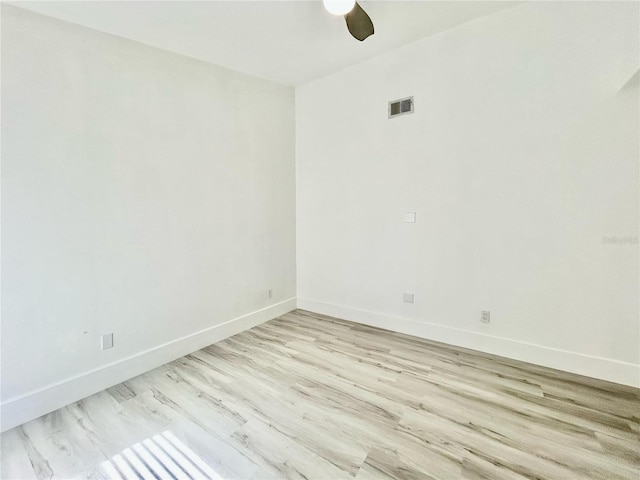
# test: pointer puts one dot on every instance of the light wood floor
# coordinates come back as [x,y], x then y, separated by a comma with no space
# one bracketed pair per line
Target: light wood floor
[309,396]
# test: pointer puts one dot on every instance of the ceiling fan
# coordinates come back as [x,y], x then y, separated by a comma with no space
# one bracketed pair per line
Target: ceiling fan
[359,23]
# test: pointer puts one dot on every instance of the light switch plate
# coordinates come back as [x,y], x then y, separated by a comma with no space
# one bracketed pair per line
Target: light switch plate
[410,217]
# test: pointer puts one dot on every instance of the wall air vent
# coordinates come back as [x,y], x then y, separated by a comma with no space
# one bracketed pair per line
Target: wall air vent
[400,107]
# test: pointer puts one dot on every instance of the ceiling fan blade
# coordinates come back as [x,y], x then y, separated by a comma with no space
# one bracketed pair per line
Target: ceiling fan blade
[359,23]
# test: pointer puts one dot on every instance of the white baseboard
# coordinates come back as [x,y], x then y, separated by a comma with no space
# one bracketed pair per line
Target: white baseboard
[587,365]
[18,410]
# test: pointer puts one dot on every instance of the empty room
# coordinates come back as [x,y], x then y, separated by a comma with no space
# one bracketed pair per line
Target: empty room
[320,240]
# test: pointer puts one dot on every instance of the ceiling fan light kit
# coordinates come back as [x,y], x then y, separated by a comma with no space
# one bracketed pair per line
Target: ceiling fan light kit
[359,23]
[339,7]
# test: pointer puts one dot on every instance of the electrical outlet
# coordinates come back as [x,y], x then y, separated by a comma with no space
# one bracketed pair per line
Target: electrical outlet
[407,297]
[410,217]
[106,341]
[269,293]
[486,316]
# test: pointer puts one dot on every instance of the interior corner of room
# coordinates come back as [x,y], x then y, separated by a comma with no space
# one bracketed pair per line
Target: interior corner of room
[169,203]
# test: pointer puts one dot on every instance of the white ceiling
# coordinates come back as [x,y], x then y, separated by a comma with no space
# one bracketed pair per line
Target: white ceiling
[289,42]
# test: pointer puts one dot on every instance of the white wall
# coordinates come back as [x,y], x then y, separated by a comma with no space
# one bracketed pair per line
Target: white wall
[144,194]
[522,154]
[152,196]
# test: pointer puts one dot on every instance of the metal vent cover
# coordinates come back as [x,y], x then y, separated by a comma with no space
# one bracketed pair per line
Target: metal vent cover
[401,106]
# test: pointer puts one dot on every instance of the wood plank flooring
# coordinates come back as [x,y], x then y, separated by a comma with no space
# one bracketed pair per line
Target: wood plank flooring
[307,396]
